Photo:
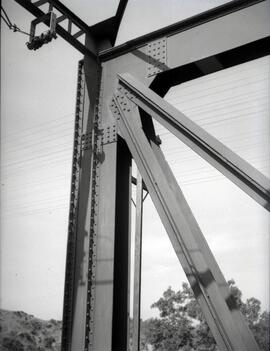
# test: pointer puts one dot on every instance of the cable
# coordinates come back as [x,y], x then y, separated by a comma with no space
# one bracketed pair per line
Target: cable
[7,20]
[227,103]
[227,74]
[66,150]
[37,133]
[215,90]
[67,162]
[41,124]
[11,26]
[35,212]
[67,139]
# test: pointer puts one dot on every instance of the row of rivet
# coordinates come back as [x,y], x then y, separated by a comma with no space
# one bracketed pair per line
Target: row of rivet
[87,141]
[71,245]
[108,134]
[96,150]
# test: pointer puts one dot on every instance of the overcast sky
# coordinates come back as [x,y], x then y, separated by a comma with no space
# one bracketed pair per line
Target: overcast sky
[37,111]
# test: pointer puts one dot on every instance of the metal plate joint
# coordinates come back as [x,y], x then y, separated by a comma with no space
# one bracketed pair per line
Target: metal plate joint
[87,141]
[157,57]
[108,134]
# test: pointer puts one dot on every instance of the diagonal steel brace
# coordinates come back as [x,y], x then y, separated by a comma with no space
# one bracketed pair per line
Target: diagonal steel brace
[245,176]
[230,332]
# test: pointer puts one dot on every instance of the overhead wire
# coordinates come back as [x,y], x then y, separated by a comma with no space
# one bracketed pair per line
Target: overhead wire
[196,114]
[37,201]
[196,175]
[215,78]
[226,74]
[39,145]
[11,26]
[37,134]
[64,161]
[39,157]
[40,211]
[218,103]
[40,124]
[201,94]
[33,184]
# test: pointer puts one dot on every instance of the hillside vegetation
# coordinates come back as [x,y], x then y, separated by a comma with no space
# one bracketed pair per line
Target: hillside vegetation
[20,331]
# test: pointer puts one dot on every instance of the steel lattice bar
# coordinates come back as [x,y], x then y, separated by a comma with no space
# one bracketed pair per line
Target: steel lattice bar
[217,311]
[249,179]
[36,11]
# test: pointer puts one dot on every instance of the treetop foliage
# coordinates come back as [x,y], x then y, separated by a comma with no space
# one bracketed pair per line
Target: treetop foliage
[181,325]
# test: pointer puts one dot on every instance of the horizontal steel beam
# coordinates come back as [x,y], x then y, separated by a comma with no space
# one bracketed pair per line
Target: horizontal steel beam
[180,26]
[249,179]
[69,14]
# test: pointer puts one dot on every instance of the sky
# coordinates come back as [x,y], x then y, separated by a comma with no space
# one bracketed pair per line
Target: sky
[37,111]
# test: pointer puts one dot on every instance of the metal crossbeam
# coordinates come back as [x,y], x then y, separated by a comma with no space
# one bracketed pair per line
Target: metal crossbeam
[217,309]
[248,178]
[181,26]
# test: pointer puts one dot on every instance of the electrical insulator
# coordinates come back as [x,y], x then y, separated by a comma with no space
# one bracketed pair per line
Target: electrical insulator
[35,41]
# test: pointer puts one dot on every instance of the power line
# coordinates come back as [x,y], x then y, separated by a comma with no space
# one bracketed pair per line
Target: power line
[36,145]
[226,74]
[218,105]
[35,212]
[229,78]
[38,130]
[66,150]
[45,164]
[11,26]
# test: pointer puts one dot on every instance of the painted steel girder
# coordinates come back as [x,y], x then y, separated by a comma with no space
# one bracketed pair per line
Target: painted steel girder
[245,176]
[217,30]
[216,302]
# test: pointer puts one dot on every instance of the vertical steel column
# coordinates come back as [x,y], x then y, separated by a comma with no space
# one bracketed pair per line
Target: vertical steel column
[120,315]
[82,233]
[73,212]
[137,264]
[105,305]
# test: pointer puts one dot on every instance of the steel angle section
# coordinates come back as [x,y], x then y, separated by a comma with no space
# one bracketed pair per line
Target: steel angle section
[248,178]
[216,311]
[68,307]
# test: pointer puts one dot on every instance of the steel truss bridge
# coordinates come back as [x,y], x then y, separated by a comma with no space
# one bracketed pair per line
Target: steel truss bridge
[120,91]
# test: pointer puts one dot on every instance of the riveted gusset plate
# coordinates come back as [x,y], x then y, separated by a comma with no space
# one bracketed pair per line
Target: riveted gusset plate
[108,134]
[157,57]
[87,141]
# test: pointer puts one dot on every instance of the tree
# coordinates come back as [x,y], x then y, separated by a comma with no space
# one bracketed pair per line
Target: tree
[182,326]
